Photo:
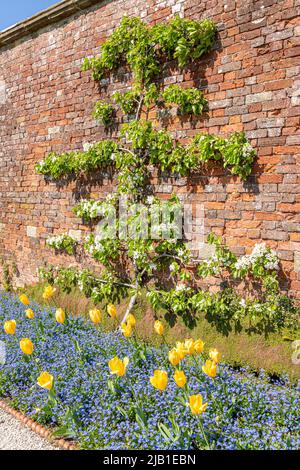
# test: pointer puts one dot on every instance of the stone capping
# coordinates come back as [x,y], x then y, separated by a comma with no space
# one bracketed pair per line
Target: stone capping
[44,18]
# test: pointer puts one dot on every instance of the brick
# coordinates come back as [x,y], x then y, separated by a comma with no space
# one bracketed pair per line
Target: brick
[259,97]
[279,35]
[278,84]
[76,234]
[270,122]
[273,235]
[220,104]
[230,67]
[206,251]
[297,262]
[31,232]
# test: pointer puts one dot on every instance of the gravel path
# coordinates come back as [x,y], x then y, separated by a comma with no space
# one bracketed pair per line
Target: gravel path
[15,436]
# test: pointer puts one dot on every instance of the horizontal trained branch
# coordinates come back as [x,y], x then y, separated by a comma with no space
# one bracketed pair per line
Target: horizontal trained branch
[235,153]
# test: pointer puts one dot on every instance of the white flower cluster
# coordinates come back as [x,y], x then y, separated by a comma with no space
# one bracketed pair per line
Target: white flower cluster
[90,209]
[51,158]
[86,146]
[57,241]
[96,245]
[247,150]
[181,287]
[173,267]
[152,267]
[80,285]
[41,164]
[214,264]
[166,230]
[140,259]
[150,200]
[260,254]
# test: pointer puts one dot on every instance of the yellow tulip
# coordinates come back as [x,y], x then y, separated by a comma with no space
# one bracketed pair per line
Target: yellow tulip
[24,299]
[189,346]
[49,292]
[126,330]
[215,355]
[196,404]
[117,366]
[60,315]
[29,313]
[180,378]
[45,380]
[131,320]
[10,327]
[26,346]
[159,327]
[159,380]
[199,346]
[111,310]
[174,357]
[95,316]
[181,350]
[210,368]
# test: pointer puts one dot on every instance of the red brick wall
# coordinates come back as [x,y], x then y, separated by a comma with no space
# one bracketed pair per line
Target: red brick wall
[252,84]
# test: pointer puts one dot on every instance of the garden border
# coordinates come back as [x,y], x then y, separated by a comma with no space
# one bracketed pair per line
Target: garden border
[37,428]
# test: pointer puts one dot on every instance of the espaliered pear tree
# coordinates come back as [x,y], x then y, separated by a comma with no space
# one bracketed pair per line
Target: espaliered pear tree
[137,147]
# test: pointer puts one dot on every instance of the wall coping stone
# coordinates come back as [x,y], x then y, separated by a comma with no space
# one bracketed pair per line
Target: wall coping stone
[51,15]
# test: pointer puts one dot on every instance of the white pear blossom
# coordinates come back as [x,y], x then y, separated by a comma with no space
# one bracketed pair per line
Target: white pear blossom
[180,287]
[150,199]
[87,146]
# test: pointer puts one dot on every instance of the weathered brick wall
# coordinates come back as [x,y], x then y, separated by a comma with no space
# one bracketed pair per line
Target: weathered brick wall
[251,82]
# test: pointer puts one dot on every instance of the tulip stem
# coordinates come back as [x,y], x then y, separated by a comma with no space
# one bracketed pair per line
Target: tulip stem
[203,433]
[165,341]
[198,374]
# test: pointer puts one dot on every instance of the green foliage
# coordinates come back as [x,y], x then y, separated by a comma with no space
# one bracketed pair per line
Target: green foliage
[97,289]
[208,147]
[179,161]
[189,100]
[144,49]
[104,112]
[62,243]
[262,264]
[89,209]
[100,155]
[106,251]
[184,40]
[130,44]
[6,276]
[155,147]
[127,101]
[226,310]
[235,152]
[141,47]
[139,134]
[239,155]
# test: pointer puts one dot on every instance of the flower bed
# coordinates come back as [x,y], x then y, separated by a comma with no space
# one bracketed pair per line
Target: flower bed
[101,410]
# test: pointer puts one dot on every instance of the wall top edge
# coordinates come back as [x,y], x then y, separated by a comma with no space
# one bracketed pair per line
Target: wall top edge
[46,17]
